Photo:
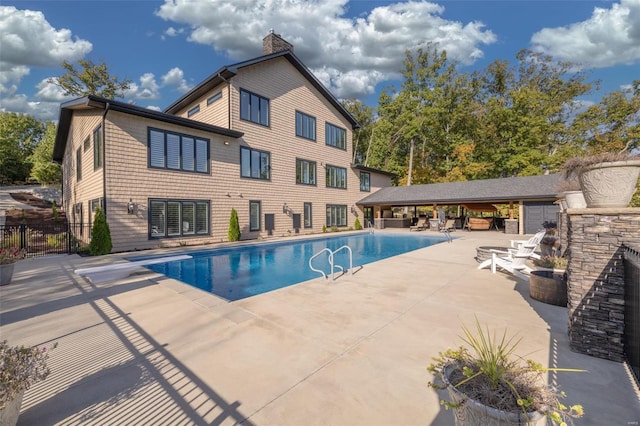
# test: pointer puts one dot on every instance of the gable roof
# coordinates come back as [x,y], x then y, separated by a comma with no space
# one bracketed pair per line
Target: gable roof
[229,71]
[97,102]
[540,187]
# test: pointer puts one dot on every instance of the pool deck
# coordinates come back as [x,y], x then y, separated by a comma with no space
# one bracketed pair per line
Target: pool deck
[151,350]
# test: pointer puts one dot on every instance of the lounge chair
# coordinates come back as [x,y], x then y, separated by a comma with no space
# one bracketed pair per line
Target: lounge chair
[533,241]
[420,227]
[512,261]
[449,226]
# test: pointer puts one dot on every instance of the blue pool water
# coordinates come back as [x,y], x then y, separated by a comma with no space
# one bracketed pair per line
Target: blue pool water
[240,272]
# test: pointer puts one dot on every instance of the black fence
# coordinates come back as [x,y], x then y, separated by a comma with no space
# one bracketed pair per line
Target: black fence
[45,239]
[632,309]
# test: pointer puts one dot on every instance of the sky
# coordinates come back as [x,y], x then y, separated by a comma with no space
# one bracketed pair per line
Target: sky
[355,47]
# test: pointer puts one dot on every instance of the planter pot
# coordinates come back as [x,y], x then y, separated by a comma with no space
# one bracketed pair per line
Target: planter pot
[610,184]
[471,412]
[6,273]
[548,286]
[575,200]
[10,412]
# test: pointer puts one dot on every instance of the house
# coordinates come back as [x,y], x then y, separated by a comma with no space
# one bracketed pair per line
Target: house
[263,136]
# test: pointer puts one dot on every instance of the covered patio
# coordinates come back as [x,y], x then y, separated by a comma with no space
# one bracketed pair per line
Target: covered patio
[519,193]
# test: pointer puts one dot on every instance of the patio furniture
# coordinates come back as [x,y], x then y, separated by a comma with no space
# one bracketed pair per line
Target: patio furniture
[512,261]
[420,226]
[479,223]
[533,241]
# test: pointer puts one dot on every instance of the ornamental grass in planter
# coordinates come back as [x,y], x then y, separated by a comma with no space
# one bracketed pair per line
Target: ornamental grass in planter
[607,180]
[20,367]
[490,385]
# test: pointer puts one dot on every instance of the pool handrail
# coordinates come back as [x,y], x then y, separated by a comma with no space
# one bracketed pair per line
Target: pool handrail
[331,253]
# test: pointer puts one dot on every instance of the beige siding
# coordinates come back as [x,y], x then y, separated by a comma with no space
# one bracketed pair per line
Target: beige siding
[217,113]
[91,184]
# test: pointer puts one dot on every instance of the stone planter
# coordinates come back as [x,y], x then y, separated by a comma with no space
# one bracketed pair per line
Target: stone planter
[471,412]
[548,286]
[10,412]
[6,273]
[575,200]
[609,184]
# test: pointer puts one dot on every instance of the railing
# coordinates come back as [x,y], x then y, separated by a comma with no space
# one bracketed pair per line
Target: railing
[331,261]
[368,225]
[45,239]
[632,309]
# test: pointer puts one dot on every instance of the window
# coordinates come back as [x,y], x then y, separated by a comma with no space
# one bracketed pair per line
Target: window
[335,136]
[173,218]
[255,164]
[336,215]
[305,172]
[214,97]
[97,148]
[254,215]
[305,126]
[87,144]
[254,108]
[193,111]
[77,218]
[79,164]
[307,215]
[175,151]
[336,177]
[365,181]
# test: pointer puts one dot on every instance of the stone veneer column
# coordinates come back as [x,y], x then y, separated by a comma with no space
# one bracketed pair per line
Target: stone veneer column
[596,278]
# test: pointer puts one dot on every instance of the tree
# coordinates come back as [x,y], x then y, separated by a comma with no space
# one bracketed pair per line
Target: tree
[19,135]
[91,79]
[234,226]
[100,235]
[44,170]
[361,136]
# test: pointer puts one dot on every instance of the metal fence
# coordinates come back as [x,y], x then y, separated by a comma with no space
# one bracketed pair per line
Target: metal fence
[632,309]
[45,239]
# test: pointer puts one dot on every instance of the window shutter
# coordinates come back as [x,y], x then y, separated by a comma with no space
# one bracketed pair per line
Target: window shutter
[156,148]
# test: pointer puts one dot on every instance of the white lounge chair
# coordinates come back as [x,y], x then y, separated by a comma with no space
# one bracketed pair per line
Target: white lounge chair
[533,241]
[512,261]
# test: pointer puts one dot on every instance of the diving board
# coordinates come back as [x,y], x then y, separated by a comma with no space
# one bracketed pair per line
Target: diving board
[100,274]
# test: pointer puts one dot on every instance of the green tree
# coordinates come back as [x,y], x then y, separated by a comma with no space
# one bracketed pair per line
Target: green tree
[100,235]
[90,79]
[44,170]
[612,125]
[234,226]
[19,135]
[362,135]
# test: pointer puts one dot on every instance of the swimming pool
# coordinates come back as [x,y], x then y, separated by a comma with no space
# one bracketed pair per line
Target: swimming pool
[240,272]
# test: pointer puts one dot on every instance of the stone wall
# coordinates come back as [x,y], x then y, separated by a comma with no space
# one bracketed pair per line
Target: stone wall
[595,240]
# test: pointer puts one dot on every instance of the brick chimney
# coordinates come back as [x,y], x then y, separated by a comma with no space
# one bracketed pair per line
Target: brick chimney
[273,43]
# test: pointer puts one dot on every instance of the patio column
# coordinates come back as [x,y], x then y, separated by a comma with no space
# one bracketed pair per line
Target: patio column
[520,217]
[510,209]
[435,211]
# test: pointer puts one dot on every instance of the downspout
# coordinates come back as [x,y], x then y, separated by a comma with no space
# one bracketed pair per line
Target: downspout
[104,158]
[228,99]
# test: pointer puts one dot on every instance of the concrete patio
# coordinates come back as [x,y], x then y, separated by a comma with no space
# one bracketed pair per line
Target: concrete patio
[152,350]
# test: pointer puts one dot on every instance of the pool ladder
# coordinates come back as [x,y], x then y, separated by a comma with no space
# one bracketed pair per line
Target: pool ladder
[369,226]
[331,253]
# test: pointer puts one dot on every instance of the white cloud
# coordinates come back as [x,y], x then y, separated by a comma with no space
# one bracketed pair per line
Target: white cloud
[175,77]
[351,54]
[154,108]
[51,92]
[610,37]
[28,39]
[172,32]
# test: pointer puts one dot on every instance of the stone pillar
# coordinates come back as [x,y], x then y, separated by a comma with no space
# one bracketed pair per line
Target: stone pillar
[596,278]
[511,226]
[273,43]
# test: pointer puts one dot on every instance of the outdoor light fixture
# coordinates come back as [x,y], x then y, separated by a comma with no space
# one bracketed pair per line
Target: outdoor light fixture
[285,208]
[226,142]
[131,207]
[353,208]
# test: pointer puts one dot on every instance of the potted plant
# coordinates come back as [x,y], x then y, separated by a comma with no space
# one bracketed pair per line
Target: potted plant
[571,193]
[20,367]
[8,259]
[548,283]
[607,180]
[489,385]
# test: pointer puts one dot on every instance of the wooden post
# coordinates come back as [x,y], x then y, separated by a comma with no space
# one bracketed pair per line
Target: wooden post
[510,209]
[435,211]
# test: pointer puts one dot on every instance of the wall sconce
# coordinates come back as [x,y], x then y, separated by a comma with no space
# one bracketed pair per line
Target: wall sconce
[229,194]
[131,207]
[353,208]
[240,194]
[226,143]
[285,208]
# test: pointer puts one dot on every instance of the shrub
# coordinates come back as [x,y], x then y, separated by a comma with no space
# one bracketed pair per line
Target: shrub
[334,228]
[234,226]
[324,229]
[357,224]
[21,367]
[55,240]
[54,211]
[100,235]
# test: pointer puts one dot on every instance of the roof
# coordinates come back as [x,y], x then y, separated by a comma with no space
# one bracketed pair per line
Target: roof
[229,71]
[97,102]
[540,187]
[372,170]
